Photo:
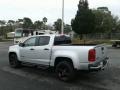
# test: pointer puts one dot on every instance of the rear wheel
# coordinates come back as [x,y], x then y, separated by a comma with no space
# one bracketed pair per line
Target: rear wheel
[65,71]
[13,61]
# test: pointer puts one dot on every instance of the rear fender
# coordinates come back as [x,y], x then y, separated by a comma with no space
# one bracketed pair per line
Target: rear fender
[65,54]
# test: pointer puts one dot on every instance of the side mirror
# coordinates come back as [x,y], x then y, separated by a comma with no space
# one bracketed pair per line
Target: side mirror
[21,44]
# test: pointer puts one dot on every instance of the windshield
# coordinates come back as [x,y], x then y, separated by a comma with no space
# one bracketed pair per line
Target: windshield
[23,33]
[18,33]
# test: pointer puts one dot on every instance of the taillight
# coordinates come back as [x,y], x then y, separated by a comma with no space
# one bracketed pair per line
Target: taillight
[92,55]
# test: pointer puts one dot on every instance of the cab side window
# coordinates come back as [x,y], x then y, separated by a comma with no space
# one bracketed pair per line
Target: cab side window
[43,40]
[30,42]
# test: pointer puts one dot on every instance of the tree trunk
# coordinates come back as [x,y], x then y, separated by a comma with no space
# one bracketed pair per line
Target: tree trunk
[81,36]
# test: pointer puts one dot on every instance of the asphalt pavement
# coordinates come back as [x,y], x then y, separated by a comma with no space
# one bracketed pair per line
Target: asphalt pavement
[31,78]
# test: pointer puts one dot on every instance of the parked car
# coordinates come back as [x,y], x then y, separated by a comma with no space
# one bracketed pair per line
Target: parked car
[57,51]
[116,43]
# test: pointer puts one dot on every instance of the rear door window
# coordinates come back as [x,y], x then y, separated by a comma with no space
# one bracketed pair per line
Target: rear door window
[43,40]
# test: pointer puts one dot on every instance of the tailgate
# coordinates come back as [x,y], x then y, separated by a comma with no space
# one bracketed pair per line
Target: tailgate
[101,52]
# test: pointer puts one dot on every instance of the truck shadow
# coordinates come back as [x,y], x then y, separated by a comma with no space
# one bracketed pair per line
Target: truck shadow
[91,80]
[81,76]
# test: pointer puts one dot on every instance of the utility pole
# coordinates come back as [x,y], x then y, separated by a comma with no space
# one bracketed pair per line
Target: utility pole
[62,26]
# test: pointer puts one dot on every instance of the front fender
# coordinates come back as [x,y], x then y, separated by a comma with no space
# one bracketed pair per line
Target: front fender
[14,49]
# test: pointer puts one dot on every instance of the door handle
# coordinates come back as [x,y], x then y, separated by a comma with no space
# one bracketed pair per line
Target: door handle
[32,49]
[46,49]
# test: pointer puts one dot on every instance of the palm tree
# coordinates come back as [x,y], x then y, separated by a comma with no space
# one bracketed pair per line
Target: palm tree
[57,25]
[44,21]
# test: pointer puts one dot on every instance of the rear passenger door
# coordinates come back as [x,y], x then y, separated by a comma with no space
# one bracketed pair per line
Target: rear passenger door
[43,50]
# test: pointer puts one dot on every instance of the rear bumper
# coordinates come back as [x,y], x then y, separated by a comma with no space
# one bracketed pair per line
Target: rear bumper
[99,65]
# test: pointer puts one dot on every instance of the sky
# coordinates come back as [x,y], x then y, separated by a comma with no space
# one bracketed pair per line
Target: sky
[37,9]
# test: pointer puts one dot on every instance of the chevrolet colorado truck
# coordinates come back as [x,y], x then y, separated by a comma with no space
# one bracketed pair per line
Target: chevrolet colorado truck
[57,51]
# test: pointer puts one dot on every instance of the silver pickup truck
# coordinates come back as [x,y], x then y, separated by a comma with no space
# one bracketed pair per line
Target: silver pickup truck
[57,51]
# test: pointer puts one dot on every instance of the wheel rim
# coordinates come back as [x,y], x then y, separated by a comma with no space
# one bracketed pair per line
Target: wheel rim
[63,72]
[12,60]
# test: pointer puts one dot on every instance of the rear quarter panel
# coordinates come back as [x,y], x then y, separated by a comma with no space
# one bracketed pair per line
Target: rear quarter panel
[78,54]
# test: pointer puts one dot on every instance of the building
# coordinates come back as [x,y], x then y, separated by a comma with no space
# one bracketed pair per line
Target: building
[10,35]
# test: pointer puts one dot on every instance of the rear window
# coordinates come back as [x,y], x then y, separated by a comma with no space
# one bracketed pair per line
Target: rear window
[62,40]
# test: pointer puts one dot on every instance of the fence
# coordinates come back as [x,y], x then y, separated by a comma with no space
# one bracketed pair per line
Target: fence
[102,36]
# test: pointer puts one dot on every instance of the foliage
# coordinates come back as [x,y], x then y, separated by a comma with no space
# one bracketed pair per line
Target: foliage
[84,22]
[27,23]
[2,22]
[38,24]
[10,22]
[67,28]
[44,23]
[116,24]
[103,21]
[57,25]
[44,20]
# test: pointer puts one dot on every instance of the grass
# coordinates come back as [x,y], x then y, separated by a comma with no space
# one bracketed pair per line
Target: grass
[5,40]
[78,41]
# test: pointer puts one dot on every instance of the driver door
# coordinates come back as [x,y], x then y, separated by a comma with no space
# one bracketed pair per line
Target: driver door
[27,52]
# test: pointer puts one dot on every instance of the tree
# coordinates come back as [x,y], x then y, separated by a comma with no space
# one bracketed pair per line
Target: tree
[10,25]
[103,21]
[67,28]
[57,25]
[116,24]
[84,21]
[38,24]
[2,27]
[2,22]
[11,22]
[19,23]
[27,23]
[104,9]
[44,22]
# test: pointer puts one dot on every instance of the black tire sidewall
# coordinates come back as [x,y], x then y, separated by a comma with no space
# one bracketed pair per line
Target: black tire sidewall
[69,66]
[16,62]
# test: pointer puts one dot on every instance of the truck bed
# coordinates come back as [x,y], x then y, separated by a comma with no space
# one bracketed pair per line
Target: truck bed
[76,45]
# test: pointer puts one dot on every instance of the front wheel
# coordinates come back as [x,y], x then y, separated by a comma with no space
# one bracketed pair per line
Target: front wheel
[13,61]
[65,71]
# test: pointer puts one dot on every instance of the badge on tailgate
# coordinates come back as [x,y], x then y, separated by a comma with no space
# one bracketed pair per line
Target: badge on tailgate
[102,48]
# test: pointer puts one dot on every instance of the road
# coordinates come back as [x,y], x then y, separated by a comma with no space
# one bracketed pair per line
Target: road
[31,78]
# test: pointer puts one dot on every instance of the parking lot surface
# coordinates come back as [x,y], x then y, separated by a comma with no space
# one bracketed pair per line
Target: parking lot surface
[31,78]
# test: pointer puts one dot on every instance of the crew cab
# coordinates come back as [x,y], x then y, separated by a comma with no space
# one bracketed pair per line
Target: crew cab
[57,51]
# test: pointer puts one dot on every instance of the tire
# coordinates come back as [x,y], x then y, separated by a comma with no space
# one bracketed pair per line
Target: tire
[114,45]
[13,61]
[65,71]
